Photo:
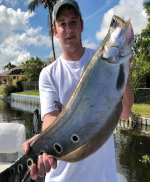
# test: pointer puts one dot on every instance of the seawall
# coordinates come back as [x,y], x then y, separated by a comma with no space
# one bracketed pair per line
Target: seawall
[30,99]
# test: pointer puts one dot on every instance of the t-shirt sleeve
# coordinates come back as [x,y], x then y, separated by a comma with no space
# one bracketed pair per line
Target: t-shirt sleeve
[48,93]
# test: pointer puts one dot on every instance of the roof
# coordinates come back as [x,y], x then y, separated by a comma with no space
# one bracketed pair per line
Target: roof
[14,71]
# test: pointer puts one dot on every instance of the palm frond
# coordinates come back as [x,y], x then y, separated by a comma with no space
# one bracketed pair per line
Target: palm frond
[49,22]
[50,4]
[34,4]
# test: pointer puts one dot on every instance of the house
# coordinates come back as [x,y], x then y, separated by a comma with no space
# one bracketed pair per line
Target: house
[12,75]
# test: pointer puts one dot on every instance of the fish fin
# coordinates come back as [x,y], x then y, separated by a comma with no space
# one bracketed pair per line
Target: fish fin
[58,105]
[6,176]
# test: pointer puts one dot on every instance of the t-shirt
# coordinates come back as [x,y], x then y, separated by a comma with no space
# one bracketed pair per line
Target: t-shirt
[57,82]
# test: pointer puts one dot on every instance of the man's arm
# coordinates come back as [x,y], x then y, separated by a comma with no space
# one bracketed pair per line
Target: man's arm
[49,118]
[128,100]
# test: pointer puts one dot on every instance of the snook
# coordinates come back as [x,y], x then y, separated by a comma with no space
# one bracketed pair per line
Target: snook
[92,112]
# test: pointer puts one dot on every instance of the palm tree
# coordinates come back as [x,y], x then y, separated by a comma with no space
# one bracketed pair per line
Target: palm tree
[9,66]
[50,4]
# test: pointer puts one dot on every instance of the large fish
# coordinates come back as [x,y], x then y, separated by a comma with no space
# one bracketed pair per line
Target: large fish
[93,110]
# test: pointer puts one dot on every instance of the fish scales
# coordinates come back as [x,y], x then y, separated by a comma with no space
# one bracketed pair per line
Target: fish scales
[92,112]
[95,107]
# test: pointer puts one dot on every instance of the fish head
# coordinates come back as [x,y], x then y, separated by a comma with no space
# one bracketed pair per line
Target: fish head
[118,41]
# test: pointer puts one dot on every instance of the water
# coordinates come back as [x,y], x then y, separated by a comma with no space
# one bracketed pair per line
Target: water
[19,113]
[130,144]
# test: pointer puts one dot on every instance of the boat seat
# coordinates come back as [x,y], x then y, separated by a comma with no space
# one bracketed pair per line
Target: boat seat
[12,136]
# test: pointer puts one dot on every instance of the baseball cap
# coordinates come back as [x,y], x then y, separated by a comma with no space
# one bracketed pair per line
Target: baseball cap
[61,3]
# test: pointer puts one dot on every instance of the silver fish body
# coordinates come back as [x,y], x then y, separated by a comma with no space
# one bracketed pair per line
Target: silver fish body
[93,110]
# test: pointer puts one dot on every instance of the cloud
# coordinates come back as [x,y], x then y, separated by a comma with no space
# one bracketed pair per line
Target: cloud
[13,20]
[125,9]
[16,34]
[32,32]
[24,39]
[88,44]
[12,55]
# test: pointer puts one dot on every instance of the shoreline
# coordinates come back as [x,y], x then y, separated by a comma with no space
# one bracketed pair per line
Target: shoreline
[29,99]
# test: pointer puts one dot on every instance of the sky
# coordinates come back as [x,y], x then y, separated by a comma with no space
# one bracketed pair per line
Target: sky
[24,35]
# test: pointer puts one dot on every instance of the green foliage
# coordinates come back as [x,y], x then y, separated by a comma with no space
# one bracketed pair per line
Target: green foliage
[50,4]
[141,104]
[133,115]
[2,89]
[9,89]
[29,92]
[141,109]
[46,3]
[19,85]
[9,66]
[32,69]
[147,7]
[33,4]
[140,70]
[145,159]
[49,60]
[142,96]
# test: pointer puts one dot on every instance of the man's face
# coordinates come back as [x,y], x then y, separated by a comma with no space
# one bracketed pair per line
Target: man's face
[68,28]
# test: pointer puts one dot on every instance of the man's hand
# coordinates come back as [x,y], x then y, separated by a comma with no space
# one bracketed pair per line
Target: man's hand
[44,163]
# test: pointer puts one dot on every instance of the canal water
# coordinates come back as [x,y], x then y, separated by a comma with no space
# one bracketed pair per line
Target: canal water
[130,144]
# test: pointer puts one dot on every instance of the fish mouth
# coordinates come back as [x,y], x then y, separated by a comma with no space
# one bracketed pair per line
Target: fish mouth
[130,35]
[126,47]
[126,26]
[119,40]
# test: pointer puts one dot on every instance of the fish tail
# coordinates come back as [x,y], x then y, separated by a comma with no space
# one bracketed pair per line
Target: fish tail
[6,176]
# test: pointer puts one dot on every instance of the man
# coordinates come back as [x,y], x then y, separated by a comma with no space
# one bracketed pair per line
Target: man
[57,82]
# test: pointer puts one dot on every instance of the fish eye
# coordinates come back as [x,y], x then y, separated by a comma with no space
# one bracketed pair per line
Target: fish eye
[58,148]
[75,138]
[112,22]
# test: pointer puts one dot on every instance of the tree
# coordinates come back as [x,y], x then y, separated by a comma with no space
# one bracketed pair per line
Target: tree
[140,68]
[49,60]
[146,41]
[9,66]
[50,4]
[141,51]
[32,68]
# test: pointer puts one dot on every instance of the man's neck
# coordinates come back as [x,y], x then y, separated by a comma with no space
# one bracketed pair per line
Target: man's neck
[74,56]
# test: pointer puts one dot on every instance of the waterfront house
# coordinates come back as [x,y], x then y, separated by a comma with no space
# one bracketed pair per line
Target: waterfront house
[12,75]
